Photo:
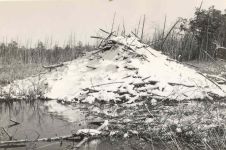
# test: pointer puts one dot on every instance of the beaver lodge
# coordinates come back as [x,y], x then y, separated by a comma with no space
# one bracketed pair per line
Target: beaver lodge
[136,92]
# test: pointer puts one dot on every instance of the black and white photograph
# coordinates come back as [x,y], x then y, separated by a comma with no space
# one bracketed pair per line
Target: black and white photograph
[112,74]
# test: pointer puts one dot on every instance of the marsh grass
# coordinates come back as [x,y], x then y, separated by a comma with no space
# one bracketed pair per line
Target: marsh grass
[9,73]
[177,43]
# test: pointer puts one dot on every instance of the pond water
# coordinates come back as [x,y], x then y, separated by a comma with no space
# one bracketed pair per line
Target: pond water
[38,119]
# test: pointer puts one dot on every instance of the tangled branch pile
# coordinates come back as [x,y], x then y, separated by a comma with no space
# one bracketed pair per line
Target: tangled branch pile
[123,70]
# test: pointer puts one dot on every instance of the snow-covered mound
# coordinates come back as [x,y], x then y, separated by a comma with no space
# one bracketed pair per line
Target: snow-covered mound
[125,70]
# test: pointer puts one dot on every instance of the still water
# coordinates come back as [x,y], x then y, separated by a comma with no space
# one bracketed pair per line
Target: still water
[38,119]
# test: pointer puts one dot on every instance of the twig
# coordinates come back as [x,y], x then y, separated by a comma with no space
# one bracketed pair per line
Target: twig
[15,122]
[146,78]
[148,110]
[107,84]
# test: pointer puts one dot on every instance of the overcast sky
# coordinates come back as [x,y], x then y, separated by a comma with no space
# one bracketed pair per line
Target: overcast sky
[33,20]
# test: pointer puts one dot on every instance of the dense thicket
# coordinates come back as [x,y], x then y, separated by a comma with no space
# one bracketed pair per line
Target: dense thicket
[197,37]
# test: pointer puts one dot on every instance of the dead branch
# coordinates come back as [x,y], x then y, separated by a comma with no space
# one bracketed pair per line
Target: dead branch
[107,84]
[102,50]
[10,137]
[76,136]
[90,90]
[12,146]
[154,82]
[146,106]
[96,37]
[110,34]
[107,32]
[179,84]
[104,125]
[58,138]
[135,35]
[211,81]
[53,66]
[91,67]
[150,52]
[15,122]
[163,42]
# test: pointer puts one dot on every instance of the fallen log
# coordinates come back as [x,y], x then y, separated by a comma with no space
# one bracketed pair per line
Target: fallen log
[52,66]
[58,138]
[75,137]
[12,146]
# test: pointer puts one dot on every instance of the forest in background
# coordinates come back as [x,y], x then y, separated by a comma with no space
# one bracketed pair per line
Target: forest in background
[195,38]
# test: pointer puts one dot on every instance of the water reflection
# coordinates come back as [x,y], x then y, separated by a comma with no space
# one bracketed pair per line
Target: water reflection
[38,119]
[35,121]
